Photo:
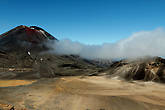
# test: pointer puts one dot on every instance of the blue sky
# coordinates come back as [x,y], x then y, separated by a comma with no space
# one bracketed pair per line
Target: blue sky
[86,21]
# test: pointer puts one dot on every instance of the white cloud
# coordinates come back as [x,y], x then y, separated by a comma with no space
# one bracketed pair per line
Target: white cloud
[144,43]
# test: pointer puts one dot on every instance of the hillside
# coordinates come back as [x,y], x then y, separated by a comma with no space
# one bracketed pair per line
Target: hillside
[21,51]
[146,69]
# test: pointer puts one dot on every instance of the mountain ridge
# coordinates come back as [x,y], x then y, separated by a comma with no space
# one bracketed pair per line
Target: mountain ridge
[28,62]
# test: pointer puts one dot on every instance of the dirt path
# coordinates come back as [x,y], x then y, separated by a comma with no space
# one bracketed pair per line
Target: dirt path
[89,93]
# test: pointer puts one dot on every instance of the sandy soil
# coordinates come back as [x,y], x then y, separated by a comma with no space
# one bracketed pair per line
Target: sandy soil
[84,93]
[8,83]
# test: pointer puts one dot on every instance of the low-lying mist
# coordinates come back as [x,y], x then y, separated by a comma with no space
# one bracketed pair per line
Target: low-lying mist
[139,44]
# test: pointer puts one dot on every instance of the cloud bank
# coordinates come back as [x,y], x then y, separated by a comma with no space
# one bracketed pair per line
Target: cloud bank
[139,44]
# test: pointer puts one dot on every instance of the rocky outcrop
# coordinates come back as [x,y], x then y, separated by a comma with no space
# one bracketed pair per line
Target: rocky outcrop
[147,69]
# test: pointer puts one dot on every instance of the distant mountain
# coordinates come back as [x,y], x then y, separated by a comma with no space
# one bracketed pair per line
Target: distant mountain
[21,58]
[24,37]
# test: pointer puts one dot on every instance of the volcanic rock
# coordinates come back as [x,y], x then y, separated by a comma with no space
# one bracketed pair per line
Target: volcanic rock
[23,38]
[147,69]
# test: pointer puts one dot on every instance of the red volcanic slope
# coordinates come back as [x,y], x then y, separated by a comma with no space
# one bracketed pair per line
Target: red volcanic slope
[31,34]
[24,37]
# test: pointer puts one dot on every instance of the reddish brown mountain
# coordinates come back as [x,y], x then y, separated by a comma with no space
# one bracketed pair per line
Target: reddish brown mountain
[21,58]
[23,36]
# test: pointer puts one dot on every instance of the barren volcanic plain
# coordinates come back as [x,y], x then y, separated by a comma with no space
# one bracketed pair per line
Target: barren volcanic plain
[82,93]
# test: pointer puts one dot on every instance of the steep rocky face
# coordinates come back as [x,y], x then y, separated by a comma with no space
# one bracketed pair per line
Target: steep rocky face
[148,69]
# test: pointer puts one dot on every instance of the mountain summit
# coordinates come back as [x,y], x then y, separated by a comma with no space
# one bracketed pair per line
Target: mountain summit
[21,58]
[23,36]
